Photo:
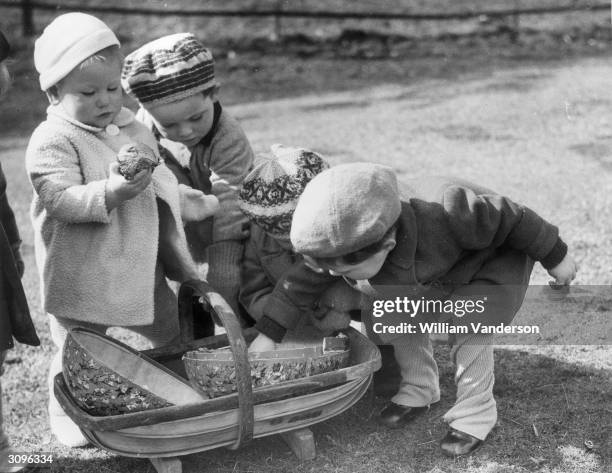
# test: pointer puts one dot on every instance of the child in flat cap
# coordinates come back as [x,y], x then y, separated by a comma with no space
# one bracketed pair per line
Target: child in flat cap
[448,236]
[268,197]
[104,244]
[173,80]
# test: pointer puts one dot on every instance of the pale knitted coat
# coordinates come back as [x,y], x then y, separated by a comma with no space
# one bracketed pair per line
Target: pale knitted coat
[95,265]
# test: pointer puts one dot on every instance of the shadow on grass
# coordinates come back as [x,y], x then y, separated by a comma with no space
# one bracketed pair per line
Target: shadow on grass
[554,416]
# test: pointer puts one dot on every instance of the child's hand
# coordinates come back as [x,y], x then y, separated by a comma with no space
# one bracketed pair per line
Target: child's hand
[195,205]
[230,210]
[329,320]
[222,189]
[118,189]
[262,343]
[565,271]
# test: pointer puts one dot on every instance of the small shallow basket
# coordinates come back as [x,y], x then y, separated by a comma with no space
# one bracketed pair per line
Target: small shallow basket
[213,372]
[106,377]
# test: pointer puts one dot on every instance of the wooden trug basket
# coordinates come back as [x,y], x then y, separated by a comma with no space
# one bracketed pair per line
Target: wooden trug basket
[232,420]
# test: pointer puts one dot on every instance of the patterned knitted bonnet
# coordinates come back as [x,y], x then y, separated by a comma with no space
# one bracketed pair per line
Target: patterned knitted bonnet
[270,192]
[168,69]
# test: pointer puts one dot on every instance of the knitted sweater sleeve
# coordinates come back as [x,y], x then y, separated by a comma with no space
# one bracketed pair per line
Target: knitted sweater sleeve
[52,164]
[231,160]
[489,220]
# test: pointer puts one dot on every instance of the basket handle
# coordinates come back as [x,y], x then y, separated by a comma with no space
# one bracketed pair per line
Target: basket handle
[192,288]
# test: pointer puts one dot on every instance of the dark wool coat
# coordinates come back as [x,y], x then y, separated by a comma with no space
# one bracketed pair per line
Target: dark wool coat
[450,234]
[264,263]
[15,318]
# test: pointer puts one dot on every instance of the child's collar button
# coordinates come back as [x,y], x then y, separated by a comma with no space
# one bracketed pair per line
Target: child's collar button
[112,129]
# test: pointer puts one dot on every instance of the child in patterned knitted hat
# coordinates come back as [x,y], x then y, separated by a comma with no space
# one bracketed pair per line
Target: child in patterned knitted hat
[104,244]
[173,80]
[268,197]
[449,239]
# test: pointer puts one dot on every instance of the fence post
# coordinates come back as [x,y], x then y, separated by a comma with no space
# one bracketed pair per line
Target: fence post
[27,18]
[277,20]
[516,26]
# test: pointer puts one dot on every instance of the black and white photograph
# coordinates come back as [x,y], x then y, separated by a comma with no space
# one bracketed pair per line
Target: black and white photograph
[310,236]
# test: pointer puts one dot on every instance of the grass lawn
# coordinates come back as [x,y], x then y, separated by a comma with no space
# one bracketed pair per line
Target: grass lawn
[536,129]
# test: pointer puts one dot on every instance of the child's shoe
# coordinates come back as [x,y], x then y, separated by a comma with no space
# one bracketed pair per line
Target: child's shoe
[456,443]
[395,415]
[66,431]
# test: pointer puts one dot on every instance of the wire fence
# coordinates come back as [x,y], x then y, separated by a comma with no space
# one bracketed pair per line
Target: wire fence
[28,8]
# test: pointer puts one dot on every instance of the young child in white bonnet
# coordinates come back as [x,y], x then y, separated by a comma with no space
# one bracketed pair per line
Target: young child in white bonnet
[104,244]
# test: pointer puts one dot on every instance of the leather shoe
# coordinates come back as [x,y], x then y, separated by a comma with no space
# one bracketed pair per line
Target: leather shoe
[396,415]
[456,443]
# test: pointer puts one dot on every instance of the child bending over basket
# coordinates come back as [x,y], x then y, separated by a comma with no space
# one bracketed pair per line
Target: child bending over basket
[104,244]
[447,238]
[268,197]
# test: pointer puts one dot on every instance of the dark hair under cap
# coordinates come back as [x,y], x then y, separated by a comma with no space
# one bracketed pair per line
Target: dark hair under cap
[5,47]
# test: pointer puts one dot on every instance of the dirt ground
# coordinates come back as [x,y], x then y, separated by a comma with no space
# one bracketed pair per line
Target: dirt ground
[531,120]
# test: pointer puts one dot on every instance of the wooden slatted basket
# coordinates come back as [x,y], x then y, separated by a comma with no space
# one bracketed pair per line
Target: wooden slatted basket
[229,420]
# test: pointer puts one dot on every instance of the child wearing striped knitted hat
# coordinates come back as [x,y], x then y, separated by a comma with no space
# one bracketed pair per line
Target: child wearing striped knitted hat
[173,80]
[268,198]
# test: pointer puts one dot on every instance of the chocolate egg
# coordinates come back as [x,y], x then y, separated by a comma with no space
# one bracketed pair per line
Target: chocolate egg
[135,157]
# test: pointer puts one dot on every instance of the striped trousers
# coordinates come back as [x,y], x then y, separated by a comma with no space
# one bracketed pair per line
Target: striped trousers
[474,411]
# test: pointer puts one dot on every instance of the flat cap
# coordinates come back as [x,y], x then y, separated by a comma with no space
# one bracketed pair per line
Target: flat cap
[345,209]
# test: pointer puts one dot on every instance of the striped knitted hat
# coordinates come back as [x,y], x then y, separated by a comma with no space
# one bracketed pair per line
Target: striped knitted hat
[271,190]
[168,69]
